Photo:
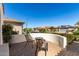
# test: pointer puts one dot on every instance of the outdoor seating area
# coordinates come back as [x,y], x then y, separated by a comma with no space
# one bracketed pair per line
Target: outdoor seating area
[38,46]
[42,29]
[20,49]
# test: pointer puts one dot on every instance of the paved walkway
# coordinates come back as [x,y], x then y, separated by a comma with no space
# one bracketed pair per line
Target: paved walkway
[72,50]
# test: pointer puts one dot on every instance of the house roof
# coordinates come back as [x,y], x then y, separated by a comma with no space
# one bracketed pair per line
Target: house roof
[12,21]
[66,26]
[8,20]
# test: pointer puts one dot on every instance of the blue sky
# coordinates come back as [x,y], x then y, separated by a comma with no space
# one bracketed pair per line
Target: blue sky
[43,14]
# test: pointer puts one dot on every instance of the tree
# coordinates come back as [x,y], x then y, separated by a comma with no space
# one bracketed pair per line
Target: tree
[43,30]
[77,23]
[27,29]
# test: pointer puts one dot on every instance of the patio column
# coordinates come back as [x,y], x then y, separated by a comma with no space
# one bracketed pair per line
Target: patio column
[1,16]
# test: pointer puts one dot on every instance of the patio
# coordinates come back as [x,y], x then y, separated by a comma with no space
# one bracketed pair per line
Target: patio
[55,44]
[19,49]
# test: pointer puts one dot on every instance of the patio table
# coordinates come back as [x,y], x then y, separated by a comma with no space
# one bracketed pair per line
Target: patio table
[41,44]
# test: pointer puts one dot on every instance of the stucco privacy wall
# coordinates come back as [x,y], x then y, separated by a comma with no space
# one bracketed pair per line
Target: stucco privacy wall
[18,38]
[60,40]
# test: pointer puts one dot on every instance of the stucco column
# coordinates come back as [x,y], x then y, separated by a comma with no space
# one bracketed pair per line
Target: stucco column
[1,41]
[1,15]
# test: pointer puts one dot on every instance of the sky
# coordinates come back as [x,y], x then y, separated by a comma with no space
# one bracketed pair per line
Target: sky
[43,14]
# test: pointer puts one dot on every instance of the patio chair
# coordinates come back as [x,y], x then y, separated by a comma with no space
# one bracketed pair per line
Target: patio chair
[28,39]
[41,44]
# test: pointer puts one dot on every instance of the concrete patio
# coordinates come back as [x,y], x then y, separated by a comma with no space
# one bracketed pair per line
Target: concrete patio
[53,50]
[20,49]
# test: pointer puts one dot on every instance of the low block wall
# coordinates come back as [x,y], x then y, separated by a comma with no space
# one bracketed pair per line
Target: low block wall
[60,40]
[4,50]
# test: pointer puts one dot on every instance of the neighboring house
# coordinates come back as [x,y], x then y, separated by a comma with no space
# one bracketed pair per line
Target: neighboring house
[59,29]
[66,28]
[17,25]
[77,26]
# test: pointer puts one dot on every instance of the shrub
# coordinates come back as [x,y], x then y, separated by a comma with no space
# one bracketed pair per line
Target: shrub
[70,38]
[76,32]
[7,32]
[14,32]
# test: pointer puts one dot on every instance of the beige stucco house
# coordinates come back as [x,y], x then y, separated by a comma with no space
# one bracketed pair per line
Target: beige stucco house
[17,25]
